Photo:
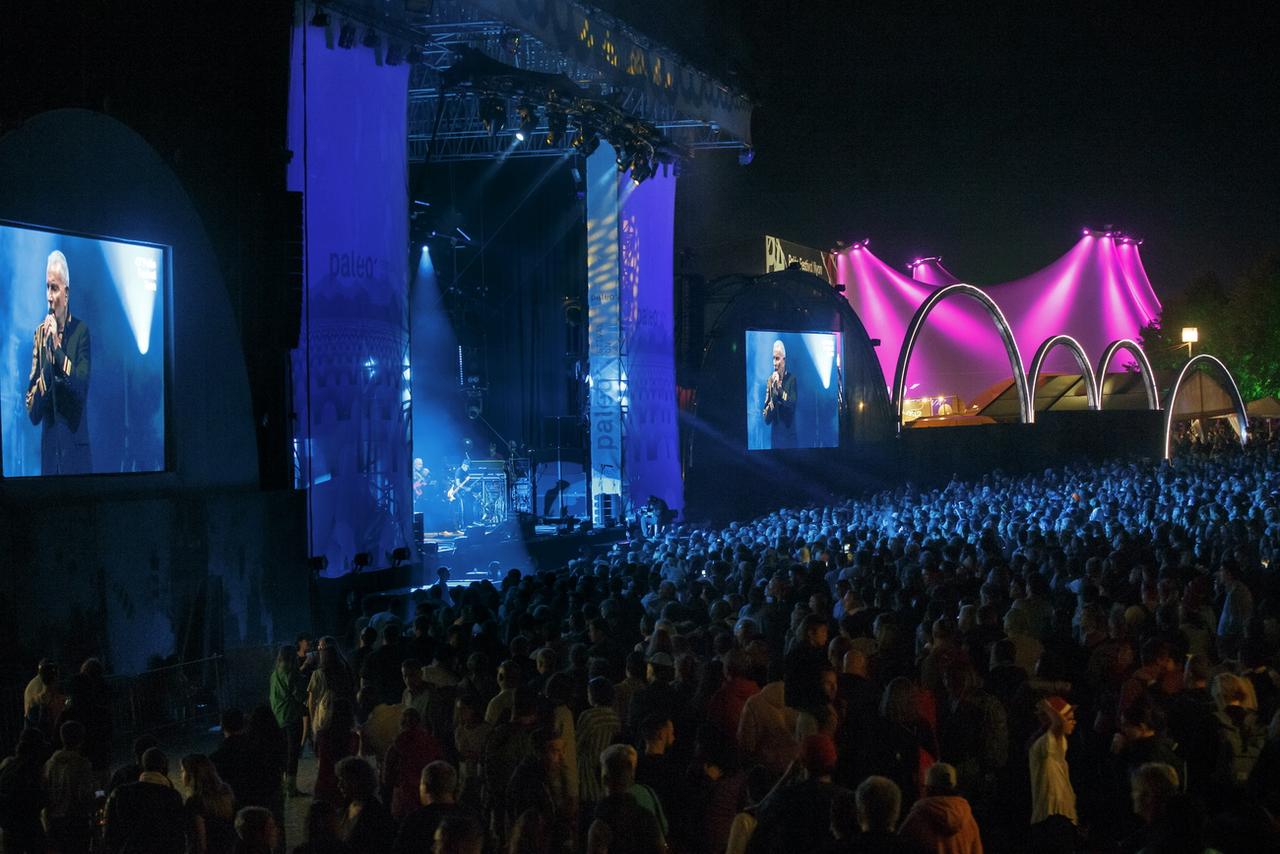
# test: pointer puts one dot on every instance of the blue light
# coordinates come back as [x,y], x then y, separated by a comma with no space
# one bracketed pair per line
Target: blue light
[136,272]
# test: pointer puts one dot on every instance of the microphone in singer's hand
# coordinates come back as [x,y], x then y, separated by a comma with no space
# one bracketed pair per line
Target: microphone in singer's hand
[48,337]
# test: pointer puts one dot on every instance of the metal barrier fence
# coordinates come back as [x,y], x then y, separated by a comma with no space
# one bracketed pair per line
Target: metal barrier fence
[168,701]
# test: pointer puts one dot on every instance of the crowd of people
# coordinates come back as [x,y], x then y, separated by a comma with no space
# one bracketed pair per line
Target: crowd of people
[1082,660]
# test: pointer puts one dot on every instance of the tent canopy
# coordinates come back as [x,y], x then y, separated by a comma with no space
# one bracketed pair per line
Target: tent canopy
[1264,407]
[1202,396]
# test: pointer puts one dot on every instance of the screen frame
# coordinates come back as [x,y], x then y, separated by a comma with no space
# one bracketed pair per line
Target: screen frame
[166,323]
[841,393]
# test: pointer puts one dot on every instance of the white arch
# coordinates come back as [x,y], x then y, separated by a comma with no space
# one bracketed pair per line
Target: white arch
[1235,394]
[1092,390]
[1148,376]
[1002,326]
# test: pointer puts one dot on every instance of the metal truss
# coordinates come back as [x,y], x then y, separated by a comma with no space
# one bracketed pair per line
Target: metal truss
[448,124]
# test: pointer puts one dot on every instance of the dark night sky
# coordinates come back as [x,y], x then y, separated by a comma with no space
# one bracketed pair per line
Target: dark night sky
[991,134]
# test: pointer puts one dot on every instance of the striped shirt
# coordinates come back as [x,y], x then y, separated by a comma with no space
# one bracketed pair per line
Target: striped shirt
[597,728]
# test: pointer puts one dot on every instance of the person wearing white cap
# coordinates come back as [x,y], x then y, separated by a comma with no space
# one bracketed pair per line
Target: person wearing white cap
[1051,791]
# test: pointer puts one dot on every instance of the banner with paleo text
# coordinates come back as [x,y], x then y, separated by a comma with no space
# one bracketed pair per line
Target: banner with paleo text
[347,133]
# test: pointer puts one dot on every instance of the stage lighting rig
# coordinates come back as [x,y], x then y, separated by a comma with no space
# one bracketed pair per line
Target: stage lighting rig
[347,35]
[370,38]
[493,112]
[528,115]
[597,116]
[587,141]
[320,18]
[557,123]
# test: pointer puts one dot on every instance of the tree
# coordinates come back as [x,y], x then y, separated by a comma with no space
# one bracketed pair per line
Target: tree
[1239,324]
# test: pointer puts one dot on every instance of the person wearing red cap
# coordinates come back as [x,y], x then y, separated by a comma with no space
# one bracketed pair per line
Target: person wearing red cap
[1051,791]
[797,817]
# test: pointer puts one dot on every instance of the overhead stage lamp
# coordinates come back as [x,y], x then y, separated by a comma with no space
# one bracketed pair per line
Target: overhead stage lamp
[493,113]
[320,18]
[528,114]
[641,169]
[557,123]
[586,142]
[370,38]
[347,36]
[395,53]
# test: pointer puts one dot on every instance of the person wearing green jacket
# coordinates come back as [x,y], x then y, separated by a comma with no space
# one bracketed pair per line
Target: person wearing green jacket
[288,702]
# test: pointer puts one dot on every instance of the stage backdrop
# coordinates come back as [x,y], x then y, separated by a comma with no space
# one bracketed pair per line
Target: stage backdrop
[651,453]
[634,449]
[347,133]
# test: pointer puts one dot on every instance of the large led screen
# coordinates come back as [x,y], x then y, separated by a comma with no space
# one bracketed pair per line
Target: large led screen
[82,354]
[793,389]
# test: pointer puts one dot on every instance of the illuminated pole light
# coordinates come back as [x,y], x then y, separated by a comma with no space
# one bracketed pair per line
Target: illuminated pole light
[1190,336]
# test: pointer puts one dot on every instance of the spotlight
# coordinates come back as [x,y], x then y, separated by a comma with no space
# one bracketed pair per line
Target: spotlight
[557,123]
[399,556]
[362,560]
[320,18]
[586,142]
[641,169]
[395,53]
[370,38]
[528,114]
[347,36]
[745,156]
[493,113]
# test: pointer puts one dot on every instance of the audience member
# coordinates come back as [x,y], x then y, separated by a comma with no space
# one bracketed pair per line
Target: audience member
[148,815]
[942,821]
[68,782]
[366,825]
[210,807]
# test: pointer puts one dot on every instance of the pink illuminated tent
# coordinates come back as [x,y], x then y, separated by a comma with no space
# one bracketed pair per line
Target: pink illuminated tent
[931,272]
[1096,293]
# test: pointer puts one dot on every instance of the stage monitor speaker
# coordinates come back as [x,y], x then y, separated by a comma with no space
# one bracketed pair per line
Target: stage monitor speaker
[419,529]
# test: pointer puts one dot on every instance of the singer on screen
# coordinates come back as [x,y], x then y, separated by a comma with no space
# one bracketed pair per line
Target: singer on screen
[780,401]
[58,387]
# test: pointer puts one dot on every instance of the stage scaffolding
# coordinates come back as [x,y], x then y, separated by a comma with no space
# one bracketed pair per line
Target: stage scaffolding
[604,56]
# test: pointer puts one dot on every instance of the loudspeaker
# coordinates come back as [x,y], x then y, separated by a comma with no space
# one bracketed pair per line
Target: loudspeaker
[607,507]
[287,238]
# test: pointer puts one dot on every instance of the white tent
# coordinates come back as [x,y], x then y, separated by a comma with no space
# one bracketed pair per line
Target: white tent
[1265,407]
